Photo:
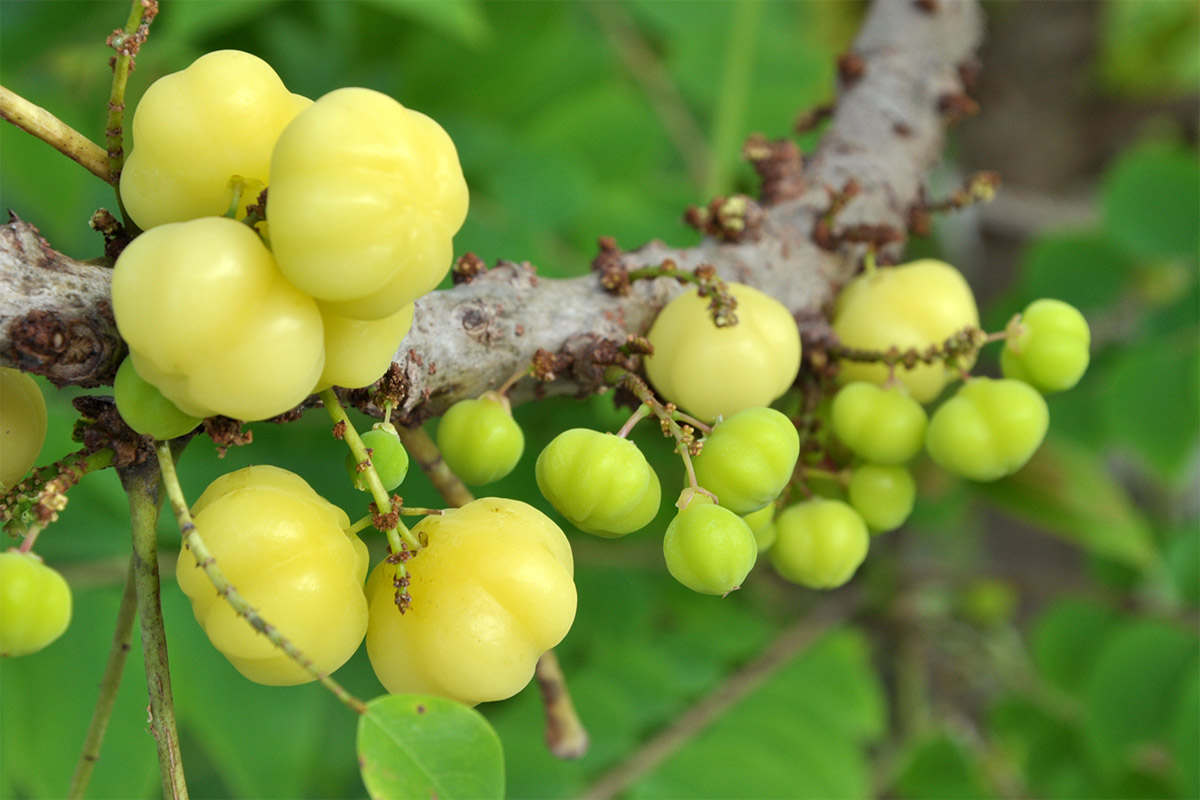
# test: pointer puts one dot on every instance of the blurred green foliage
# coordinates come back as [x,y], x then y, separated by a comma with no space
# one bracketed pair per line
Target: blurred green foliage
[561,143]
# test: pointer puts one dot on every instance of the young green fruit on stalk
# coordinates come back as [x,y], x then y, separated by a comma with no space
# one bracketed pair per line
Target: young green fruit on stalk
[820,543]
[600,482]
[708,548]
[748,459]
[479,439]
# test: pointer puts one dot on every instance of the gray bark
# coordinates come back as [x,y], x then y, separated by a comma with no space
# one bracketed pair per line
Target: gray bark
[886,131]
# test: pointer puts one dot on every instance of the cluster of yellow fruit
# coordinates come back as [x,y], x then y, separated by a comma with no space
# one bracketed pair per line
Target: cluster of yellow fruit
[365,196]
[245,317]
[492,589]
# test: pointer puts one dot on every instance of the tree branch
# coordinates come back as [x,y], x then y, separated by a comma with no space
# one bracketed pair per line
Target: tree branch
[898,90]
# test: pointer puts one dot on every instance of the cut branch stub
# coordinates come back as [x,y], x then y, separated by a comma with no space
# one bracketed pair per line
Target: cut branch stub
[55,313]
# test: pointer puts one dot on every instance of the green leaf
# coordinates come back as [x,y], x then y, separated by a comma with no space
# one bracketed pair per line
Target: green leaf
[1067,638]
[1134,689]
[1149,399]
[1151,200]
[46,702]
[1047,750]
[1183,562]
[419,746]
[462,19]
[940,767]
[1066,491]
[1149,49]
[1086,269]
[801,734]
[1185,737]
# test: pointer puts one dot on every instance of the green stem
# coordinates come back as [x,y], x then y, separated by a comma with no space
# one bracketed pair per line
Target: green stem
[40,123]
[51,496]
[666,270]
[423,450]
[637,416]
[126,43]
[204,559]
[109,684]
[383,502]
[141,484]
[684,440]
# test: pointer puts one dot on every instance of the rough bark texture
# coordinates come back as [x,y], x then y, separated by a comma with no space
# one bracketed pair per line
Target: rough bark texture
[899,87]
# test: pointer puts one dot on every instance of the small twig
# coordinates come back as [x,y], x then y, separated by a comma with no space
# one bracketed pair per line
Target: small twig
[40,123]
[566,738]
[141,484]
[637,416]
[40,498]
[955,348]
[422,449]
[126,42]
[512,381]
[109,685]
[686,444]
[204,560]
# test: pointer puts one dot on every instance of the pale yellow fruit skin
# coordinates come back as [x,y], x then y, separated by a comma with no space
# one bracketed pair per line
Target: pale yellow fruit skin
[491,592]
[287,551]
[358,352]
[365,198]
[195,129]
[211,322]
[910,306]
[710,371]
[22,425]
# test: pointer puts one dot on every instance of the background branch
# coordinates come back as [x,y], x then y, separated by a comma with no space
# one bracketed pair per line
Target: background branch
[886,132]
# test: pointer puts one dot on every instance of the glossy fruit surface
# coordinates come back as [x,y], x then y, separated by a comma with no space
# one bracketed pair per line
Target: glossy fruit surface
[1052,351]
[358,352]
[491,592]
[762,525]
[820,543]
[365,197]
[211,322]
[880,424]
[35,604]
[601,483]
[144,408]
[479,439]
[883,494]
[988,429]
[195,129]
[910,306]
[22,425]
[709,371]
[748,459]
[287,551]
[708,548]
[388,457]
